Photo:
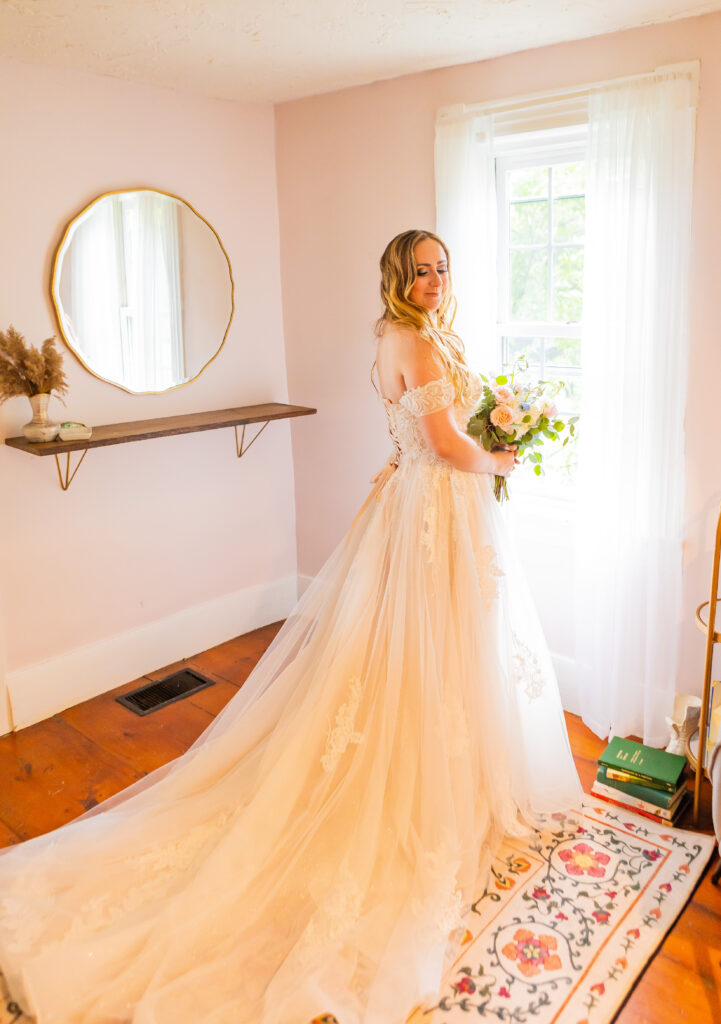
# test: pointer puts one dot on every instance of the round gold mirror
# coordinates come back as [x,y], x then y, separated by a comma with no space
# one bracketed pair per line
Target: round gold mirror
[143,290]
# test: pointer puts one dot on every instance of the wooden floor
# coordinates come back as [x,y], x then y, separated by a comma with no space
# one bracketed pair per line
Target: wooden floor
[54,770]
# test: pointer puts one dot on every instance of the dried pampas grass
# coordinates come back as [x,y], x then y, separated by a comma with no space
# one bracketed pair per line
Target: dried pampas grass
[26,370]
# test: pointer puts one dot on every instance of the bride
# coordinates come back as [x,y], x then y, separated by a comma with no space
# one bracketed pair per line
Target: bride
[313,852]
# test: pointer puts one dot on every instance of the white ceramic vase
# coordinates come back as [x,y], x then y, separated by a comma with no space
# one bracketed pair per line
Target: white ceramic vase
[40,428]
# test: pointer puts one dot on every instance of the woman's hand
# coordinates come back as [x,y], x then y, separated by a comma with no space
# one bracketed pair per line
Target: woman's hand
[506,460]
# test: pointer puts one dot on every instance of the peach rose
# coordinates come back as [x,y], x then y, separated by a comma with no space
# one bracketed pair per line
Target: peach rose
[502,416]
[503,394]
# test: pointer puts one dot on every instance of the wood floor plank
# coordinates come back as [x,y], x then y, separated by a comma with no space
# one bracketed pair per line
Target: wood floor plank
[52,773]
[669,993]
[143,742]
[7,836]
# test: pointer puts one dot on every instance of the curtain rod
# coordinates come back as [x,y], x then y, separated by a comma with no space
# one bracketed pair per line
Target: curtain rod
[459,111]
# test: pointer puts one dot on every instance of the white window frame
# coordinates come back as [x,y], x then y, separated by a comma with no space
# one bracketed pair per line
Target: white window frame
[531,149]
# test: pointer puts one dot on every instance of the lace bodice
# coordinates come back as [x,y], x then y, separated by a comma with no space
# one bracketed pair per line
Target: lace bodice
[426,398]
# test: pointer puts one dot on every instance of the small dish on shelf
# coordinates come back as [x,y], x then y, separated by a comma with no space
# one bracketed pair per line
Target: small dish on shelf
[72,431]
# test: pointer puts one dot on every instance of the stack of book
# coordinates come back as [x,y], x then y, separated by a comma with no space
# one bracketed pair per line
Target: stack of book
[642,779]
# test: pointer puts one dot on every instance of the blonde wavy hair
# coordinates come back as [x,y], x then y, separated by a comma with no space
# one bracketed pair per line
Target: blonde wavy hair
[399,272]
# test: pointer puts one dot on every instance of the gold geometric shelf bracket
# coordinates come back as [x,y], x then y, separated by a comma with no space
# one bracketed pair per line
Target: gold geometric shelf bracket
[240,449]
[69,477]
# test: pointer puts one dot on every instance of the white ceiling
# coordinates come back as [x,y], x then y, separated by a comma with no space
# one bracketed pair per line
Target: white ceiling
[275,50]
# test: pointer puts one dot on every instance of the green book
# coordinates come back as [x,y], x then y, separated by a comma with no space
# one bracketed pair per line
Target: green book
[659,797]
[648,764]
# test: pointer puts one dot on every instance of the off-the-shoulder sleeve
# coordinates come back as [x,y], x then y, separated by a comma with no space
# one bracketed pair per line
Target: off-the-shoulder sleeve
[429,397]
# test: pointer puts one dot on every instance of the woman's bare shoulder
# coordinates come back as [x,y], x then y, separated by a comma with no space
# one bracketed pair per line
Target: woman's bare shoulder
[407,358]
[407,345]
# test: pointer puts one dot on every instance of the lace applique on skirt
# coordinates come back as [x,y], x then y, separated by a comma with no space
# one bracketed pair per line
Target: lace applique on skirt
[528,671]
[440,909]
[343,732]
[489,575]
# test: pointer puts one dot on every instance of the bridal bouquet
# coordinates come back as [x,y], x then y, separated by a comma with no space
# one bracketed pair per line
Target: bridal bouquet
[520,414]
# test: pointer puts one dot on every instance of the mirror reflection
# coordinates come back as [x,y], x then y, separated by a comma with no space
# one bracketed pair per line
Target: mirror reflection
[143,290]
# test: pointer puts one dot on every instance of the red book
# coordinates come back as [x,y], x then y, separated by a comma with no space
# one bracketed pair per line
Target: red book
[646,814]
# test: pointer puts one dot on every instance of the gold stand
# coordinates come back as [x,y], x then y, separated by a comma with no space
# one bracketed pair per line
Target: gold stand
[712,638]
[239,449]
[65,483]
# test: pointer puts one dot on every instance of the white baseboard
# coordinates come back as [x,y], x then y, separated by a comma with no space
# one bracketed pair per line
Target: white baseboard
[304,582]
[47,687]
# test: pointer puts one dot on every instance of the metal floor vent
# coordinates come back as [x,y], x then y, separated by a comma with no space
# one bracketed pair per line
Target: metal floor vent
[156,695]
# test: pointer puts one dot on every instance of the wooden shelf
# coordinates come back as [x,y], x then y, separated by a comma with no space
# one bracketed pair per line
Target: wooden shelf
[143,430]
[167,426]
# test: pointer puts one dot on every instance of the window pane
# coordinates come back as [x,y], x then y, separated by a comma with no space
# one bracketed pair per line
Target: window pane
[528,183]
[528,347]
[529,222]
[569,399]
[567,283]
[529,284]
[569,179]
[569,220]
[563,352]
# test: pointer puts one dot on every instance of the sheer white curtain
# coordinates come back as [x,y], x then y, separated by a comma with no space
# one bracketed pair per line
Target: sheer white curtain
[627,595]
[466,221]
[155,338]
[93,299]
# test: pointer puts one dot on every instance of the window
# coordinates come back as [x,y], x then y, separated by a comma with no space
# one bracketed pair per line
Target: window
[540,188]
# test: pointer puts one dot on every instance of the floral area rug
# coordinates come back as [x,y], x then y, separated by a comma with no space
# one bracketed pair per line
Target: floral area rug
[570,920]
[567,924]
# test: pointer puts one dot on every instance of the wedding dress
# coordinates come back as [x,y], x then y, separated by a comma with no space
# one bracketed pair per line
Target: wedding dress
[312,853]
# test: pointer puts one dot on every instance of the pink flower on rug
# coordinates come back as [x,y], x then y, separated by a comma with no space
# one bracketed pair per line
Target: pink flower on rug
[540,894]
[666,887]
[465,985]
[633,932]
[612,895]
[533,952]
[582,859]
[503,991]
[685,868]
[602,916]
[651,855]
[561,916]
[599,988]
[655,913]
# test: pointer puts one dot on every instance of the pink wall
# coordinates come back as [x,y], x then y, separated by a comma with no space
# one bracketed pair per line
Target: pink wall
[355,167]
[151,528]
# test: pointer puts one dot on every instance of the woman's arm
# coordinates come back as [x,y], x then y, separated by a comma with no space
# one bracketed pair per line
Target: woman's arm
[419,364]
